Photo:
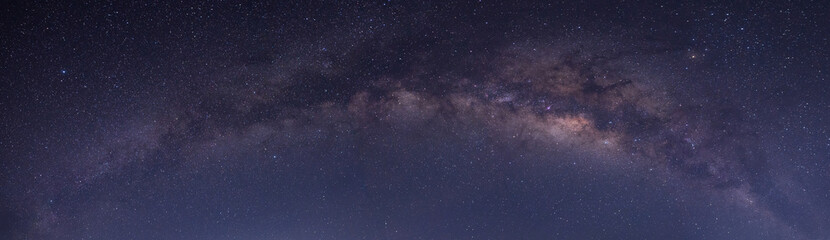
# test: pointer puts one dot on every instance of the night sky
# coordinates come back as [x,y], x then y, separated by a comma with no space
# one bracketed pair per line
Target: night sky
[414,120]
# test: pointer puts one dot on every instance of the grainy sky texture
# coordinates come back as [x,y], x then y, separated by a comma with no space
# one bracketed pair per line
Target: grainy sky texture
[414,120]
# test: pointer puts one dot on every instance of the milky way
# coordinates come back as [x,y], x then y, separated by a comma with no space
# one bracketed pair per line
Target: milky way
[415,121]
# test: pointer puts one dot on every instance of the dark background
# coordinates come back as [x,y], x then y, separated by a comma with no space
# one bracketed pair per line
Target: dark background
[346,120]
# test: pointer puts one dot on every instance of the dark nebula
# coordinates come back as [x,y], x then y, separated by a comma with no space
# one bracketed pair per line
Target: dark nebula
[414,120]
